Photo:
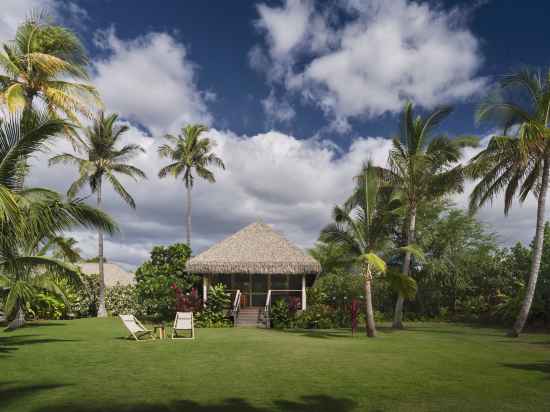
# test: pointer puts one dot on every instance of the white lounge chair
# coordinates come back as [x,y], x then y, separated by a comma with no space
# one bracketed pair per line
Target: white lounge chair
[183,322]
[135,327]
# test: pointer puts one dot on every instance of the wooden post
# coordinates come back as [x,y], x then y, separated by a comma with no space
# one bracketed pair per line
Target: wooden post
[205,288]
[304,295]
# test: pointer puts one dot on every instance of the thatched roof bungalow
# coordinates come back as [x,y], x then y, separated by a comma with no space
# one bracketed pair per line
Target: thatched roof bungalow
[255,261]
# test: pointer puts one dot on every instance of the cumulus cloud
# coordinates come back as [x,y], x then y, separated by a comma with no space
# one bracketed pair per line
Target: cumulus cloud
[150,80]
[384,53]
[290,183]
[15,11]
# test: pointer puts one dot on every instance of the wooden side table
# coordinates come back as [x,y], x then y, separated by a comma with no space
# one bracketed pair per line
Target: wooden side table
[160,331]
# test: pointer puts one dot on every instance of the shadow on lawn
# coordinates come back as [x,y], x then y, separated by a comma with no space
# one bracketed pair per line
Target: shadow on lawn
[306,404]
[543,367]
[11,390]
[10,343]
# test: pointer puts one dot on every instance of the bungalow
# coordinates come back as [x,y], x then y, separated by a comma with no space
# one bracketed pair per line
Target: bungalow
[257,265]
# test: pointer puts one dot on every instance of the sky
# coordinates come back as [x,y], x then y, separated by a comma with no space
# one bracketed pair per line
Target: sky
[297,95]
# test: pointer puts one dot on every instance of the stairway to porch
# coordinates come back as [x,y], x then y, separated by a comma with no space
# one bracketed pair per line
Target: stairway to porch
[251,316]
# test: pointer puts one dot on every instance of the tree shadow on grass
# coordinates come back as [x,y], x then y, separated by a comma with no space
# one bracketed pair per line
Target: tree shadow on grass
[542,367]
[319,403]
[319,333]
[11,390]
[10,343]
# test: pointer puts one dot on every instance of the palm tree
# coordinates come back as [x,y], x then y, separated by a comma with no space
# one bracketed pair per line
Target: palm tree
[61,247]
[423,167]
[362,226]
[42,62]
[103,160]
[189,153]
[519,160]
[38,214]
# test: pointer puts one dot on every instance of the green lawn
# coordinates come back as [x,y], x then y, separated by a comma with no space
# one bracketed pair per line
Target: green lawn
[85,365]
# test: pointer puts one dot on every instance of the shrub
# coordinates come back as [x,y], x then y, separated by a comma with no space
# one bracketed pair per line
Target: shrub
[84,299]
[280,314]
[214,315]
[155,278]
[317,316]
[47,306]
[121,299]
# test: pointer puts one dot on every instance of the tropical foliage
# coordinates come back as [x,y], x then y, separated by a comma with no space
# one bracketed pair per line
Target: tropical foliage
[33,216]
[156,277]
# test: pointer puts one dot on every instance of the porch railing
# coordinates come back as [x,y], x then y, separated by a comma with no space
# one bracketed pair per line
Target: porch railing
[236,307]
[267,307]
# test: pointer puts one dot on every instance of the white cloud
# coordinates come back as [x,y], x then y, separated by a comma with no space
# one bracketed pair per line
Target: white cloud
[290,183]
[14,13]
[150,80]
[384,54]
[277,110]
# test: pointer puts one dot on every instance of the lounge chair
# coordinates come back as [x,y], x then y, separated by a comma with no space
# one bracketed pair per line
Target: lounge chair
[183,322]
[136,329]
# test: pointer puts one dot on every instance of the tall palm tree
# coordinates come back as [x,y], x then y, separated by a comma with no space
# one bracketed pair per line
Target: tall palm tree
[38,214]
[189,153]
[362,226]
[46,62]
[103,160]
[423,166]
[517,160]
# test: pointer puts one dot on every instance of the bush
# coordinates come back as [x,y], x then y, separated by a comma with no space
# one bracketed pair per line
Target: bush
[155,279]
[84,299]
[121,300]
[214,315]
[280,314]
[317,316]
[47,306]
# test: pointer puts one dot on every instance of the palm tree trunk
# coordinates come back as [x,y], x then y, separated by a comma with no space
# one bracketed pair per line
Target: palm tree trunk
[371,326]
[101,310]
[398,313]
[189,216]
[537,254]
[19,319]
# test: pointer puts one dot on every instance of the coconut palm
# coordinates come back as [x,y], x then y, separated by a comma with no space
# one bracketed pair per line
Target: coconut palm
[424,168]
[103,159]
[190,153]
[38,214]
[362,226]
[518,161]
[61,247]
[46,62]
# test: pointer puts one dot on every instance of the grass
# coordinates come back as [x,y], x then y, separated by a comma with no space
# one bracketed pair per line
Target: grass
[85,365]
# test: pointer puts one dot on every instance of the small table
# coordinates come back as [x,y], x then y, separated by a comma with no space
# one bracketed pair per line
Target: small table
[160,331]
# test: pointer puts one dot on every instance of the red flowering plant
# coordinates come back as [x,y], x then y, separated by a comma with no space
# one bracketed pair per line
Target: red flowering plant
[187,302]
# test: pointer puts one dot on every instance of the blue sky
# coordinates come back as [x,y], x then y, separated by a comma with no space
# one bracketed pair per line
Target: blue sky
[220,35]
[297,93]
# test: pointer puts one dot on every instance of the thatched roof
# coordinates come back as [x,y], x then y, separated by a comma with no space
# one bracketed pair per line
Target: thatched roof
[256,249]
[114,274]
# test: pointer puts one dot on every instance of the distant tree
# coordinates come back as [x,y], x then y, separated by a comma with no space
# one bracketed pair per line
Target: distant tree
[189,154]
[103,159]
[517,160]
